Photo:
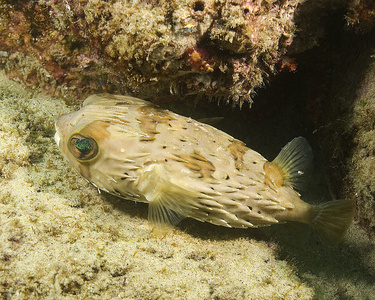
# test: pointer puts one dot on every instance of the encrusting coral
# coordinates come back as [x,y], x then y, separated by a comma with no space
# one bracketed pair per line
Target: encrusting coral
[350,131]
[222,49]
[145,47]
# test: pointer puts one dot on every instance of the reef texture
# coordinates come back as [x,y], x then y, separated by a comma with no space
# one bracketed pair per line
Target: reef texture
[349,126]
[361,162]
[59,239]
[190,48]
[361,15]
[216,48]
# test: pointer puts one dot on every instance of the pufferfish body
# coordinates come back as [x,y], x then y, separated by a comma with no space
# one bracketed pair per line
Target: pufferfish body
[183,168]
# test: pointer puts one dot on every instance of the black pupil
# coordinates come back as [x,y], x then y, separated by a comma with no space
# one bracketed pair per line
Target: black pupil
[84,146]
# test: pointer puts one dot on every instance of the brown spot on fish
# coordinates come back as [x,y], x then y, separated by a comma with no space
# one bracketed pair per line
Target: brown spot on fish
[275,176]
[197,163]
[96,130]
[238,150]
[150,117]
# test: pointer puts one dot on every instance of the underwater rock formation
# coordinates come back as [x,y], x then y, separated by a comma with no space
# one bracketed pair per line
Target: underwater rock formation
[191,48]
[338,78]
[216,48]
[349,129]
[362,162]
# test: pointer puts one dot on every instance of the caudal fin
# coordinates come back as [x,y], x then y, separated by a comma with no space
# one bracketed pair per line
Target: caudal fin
[332,219]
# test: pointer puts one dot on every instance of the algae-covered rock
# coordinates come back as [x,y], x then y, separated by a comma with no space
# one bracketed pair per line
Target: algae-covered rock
[191,48]
[216,48]
[361,163]
[350,128]
[361,15]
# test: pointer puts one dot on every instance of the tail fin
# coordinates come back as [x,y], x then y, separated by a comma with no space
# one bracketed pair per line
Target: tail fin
[332,219]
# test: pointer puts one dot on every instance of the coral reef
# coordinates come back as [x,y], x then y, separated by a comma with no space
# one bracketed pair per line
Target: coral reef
[223,49]
[145,47]
[60,239]
[348,127]
[361,15]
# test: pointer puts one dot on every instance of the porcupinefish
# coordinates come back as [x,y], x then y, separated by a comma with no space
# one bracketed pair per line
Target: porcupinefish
[183,168]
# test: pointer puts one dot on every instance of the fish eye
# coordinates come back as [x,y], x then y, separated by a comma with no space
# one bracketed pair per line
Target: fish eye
[82,147]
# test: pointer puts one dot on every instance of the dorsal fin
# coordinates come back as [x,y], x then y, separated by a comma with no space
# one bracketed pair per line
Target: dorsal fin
[293,165]
[211,121]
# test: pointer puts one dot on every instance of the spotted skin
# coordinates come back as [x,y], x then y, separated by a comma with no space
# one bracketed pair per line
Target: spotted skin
[238,149]
[181,167]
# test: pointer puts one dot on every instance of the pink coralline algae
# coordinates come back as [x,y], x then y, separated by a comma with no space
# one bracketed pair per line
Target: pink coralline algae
[200,60]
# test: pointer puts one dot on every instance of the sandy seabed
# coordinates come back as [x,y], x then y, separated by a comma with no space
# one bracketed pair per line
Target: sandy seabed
[61,239]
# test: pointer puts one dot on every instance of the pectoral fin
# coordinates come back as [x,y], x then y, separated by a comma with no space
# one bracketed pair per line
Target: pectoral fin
[168,203]
[162,219]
